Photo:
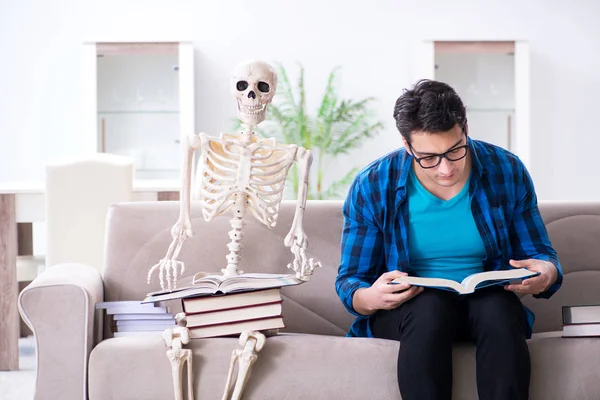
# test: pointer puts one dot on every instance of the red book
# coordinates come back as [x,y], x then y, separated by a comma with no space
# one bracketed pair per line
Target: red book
[236,314]
[229,301]
[236,328]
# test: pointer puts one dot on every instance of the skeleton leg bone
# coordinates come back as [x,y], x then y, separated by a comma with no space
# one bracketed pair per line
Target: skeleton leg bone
[178,356]
[245,357]
[234,358]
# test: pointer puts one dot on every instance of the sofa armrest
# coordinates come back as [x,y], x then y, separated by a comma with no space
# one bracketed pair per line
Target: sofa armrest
[59,307]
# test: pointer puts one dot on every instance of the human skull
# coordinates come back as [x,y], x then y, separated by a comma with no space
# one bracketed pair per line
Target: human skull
[253,85]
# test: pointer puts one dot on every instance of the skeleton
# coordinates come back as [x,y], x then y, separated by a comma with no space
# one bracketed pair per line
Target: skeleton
[241,172]
[237,173]
[175,338]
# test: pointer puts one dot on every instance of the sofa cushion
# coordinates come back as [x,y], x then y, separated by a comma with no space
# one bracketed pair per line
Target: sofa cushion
[323,367]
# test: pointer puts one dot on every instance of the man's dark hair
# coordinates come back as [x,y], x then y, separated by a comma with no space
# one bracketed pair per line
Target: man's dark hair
[431,107]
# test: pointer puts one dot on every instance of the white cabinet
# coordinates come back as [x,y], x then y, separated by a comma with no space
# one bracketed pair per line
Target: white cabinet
[143,102]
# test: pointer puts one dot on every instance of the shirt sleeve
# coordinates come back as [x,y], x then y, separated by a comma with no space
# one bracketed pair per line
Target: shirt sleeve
[528,235]
[361,247]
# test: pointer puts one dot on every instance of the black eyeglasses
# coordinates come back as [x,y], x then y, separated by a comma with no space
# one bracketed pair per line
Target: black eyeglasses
[432,161]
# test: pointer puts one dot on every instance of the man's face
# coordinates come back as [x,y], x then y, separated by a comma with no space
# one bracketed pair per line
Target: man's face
[447,173]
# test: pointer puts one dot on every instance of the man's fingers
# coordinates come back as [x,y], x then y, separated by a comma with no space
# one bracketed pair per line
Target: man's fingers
[390,275]
[401,297]
[418,289]
[521,288]
[532,281]
[520,263]
[395,287]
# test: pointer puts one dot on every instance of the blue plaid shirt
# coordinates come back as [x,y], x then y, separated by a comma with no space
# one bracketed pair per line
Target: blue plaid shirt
[374,239]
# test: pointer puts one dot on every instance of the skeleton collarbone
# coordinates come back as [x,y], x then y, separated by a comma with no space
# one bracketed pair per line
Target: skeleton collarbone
[238,169]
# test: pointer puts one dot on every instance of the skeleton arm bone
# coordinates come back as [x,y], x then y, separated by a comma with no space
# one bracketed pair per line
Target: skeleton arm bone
[192,143]
[296,238]
[168,266]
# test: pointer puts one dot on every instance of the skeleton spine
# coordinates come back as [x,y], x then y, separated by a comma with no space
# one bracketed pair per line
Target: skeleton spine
[236,235]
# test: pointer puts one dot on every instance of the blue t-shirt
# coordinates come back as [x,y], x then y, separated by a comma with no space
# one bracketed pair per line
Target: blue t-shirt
[443,239]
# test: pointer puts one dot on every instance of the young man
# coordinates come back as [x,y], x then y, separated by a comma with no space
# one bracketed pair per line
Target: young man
[445,206]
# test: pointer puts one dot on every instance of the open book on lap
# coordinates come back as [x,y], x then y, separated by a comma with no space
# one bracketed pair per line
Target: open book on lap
[471,282]
[219,284]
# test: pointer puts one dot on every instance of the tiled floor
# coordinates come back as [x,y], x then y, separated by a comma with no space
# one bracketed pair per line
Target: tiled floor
[20,385]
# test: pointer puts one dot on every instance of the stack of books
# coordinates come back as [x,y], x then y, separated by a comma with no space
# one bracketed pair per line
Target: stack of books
[129,318]
[218,306]
[581,321]
[225,315]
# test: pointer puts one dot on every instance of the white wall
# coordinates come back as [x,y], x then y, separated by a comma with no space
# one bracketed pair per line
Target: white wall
[373,41]
[486,83]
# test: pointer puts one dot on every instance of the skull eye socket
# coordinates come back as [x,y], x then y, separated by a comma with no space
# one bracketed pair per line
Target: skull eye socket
[263,87]
[241,86]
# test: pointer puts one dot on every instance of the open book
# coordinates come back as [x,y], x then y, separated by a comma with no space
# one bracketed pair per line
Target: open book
[218,284]
[471,282]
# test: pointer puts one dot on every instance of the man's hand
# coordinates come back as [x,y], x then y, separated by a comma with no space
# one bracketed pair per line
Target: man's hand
[537,284]
[382,295]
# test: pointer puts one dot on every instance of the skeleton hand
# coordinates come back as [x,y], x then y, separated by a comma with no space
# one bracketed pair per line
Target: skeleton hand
[298,242]
[168,266]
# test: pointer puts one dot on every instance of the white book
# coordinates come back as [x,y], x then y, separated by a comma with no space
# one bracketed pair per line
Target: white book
[234,314]
[232,300]
[136,310]
[129,304]
[130,317]
[142,328]
[471,282]
[581,330]
[215,284]
[582,314]
[236,328]
[144,322]
[146,333]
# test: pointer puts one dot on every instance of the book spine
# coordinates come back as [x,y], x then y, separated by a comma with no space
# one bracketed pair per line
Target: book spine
[233,308]
[236,322]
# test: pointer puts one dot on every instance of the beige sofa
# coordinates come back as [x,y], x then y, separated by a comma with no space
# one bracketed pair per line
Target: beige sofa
[312,359]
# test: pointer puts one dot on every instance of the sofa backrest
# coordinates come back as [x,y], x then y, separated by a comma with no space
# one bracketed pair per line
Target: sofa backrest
[139,234]
[574,230]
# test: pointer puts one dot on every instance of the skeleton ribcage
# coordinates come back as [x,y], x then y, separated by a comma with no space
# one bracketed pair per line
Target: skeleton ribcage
[256,171]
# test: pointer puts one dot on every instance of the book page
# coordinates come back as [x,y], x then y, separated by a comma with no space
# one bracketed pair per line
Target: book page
[473,281]
[258,281]
[203,280]
[431,282]
[258,275]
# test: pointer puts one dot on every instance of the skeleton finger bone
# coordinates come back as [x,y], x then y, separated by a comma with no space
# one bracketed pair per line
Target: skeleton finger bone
[169,268]
[302,265]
